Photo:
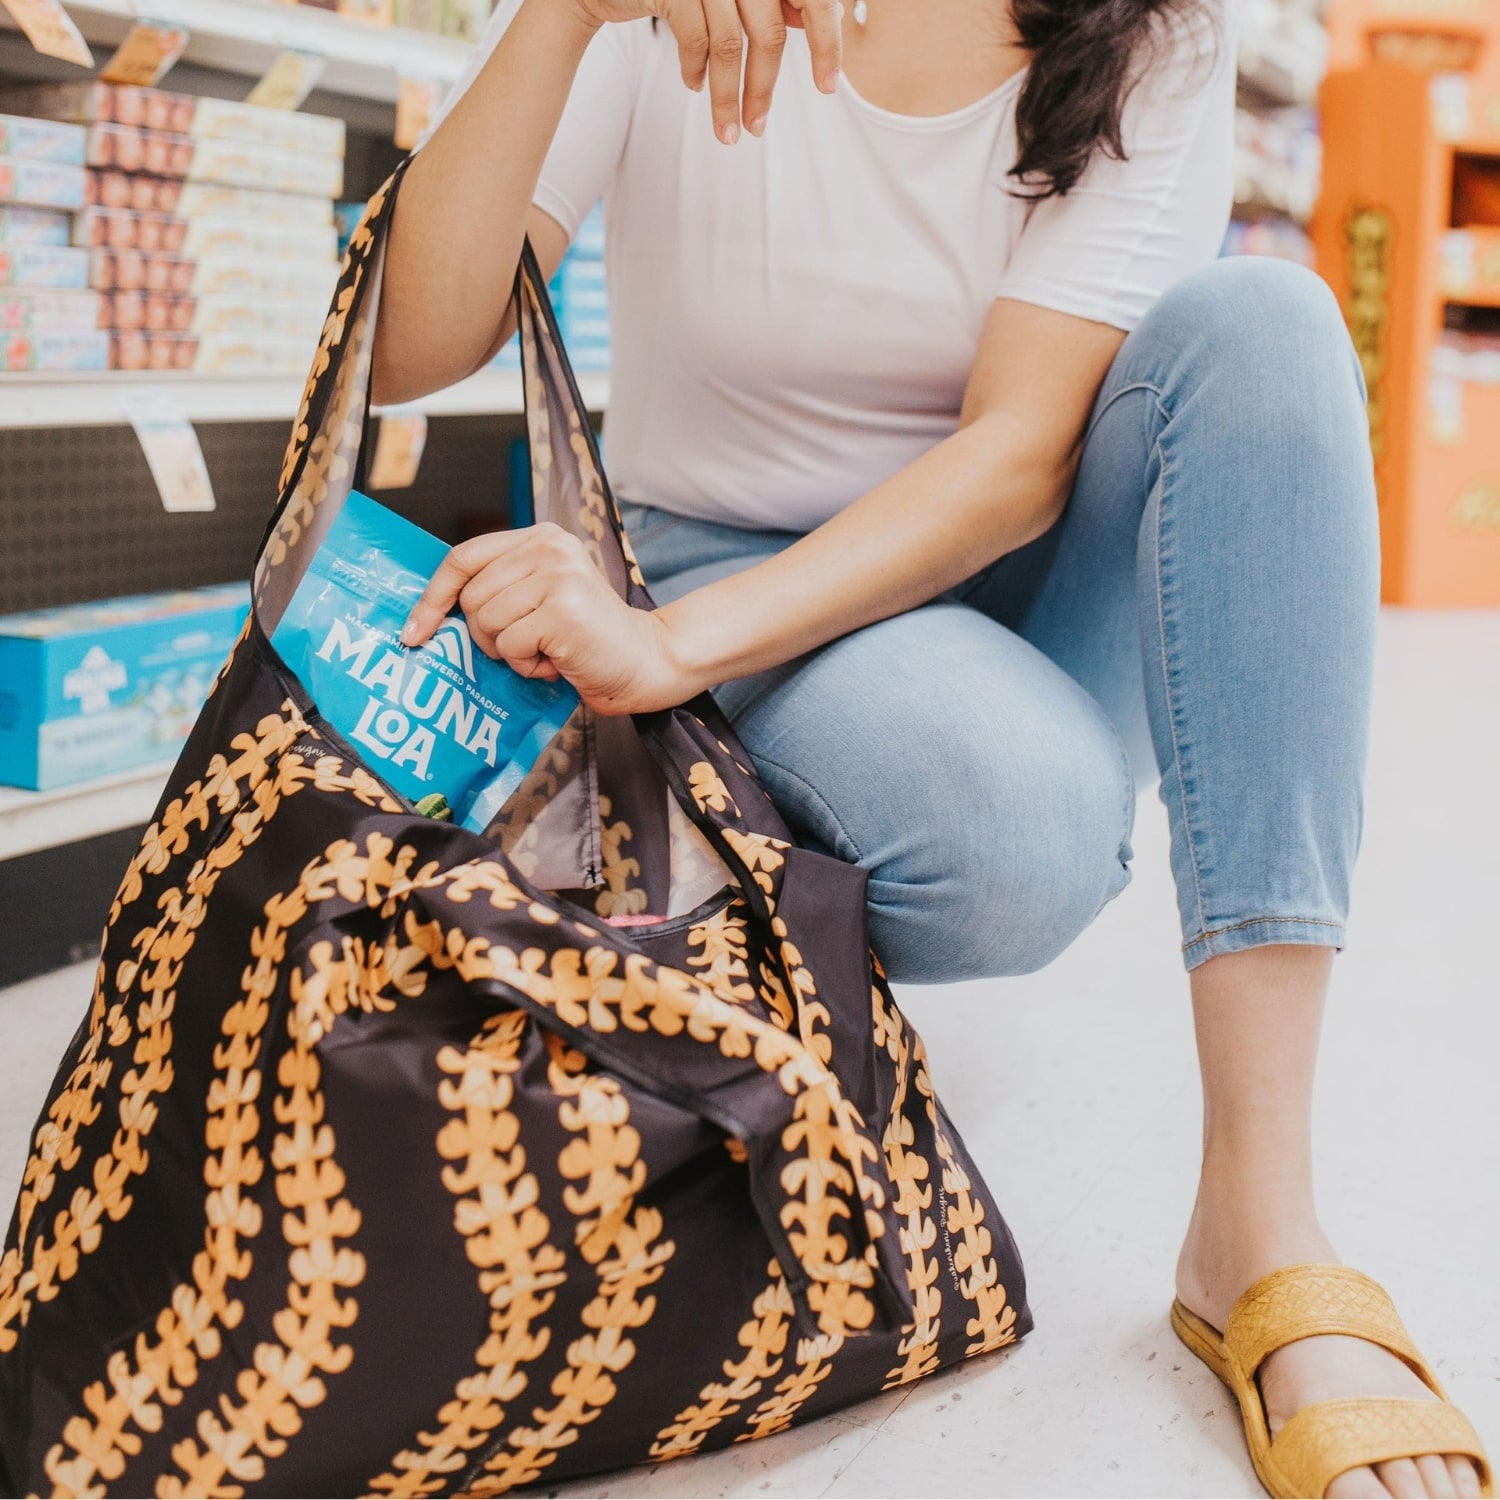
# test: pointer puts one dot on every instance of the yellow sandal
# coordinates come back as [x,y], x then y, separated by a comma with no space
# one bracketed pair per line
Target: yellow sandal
[1323,1440]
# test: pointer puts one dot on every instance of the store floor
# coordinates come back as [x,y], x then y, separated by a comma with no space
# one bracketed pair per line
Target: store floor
[1076,1091]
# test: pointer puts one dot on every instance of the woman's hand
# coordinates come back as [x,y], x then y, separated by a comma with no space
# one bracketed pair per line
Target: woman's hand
[535,599]
[715,36]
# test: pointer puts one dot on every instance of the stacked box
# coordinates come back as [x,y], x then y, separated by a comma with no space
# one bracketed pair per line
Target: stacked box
[216,312]
[35,226]
[93,103]
[206,354]
[192,276]
[40,140]
[203,234]
[239,164]
[45,317]
[110,188]
[204,226]
[47,311]
[94,688]
[54,351]
[50,266]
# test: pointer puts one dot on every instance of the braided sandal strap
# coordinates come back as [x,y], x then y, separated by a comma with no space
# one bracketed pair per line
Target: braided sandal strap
[1324,1440]
[1299,1302]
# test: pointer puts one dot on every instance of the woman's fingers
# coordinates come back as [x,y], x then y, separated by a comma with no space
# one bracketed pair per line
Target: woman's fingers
[491,618]
[825,40]
[444,587]
[766,31]
[716,39]
[689,28]
[726,50]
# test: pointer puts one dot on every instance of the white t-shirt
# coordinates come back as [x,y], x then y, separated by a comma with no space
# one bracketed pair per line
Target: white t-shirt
[793,319]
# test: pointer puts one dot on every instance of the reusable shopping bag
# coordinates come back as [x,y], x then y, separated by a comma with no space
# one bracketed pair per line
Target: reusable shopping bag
[396,1158]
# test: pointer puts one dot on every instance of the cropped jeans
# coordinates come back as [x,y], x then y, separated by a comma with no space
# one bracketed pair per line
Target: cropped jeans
[1203,610]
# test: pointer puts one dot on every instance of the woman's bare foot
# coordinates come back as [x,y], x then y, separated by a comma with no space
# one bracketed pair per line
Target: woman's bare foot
[1220,1260]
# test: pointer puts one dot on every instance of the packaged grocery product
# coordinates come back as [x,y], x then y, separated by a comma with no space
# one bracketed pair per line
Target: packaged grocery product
[128,229]
[346,217]
[35,226]
[157,312]
[242,164]
[109,187]
[464,19]
[43,266]
[54,351]
[48,311]
[183,276]
[419,15]
[94,688]
[40,140]
[448,727]
[43,184]
[209,353]
[375,12]
[92,102]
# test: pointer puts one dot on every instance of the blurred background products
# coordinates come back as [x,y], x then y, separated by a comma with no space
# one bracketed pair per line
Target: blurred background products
[1407,233]
[93,688]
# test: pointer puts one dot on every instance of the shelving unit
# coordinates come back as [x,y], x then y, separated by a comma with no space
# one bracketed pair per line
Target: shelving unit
[30,821]
[1396,136]
[242,37]
[94,400]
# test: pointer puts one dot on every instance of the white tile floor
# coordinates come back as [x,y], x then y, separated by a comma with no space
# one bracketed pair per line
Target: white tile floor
[1076,1091]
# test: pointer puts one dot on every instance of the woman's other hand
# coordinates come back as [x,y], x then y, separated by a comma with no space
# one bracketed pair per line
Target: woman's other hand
[715,37]
[535,599]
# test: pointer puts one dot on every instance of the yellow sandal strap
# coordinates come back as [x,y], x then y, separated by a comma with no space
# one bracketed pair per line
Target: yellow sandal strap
[1299,1302]
[1323,1440]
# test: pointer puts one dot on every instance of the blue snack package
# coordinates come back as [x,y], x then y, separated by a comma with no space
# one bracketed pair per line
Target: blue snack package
[448,727]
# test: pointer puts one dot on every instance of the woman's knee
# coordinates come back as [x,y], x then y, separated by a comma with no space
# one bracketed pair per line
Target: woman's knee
[1259,324]
[1020,862]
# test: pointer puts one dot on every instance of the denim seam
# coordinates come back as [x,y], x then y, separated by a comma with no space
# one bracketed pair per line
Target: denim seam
[1214,932]
[1166,669]
[1125,390]
[817,796]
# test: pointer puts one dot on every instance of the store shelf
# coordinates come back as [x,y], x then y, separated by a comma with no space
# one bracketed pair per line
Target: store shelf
[242,36]
[94,400]
[45,820]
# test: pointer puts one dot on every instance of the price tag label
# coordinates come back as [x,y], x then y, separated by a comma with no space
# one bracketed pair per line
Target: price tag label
[292,76]
[50,29]
[398,451]
[172,450]
[148,51]
[417,99]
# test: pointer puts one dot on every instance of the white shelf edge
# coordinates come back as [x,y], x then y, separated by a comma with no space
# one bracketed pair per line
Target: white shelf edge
[242,36]
[93,399]
[44,820]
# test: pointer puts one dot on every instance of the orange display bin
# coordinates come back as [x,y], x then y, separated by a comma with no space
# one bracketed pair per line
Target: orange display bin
[1407,232]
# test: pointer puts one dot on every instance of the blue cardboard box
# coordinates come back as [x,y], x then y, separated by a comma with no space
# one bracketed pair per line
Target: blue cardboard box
[88,689]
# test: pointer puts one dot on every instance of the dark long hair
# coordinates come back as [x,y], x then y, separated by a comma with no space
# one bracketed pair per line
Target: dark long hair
[1086,56]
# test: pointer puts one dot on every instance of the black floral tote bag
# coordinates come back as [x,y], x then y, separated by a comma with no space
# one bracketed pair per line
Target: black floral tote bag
[398,1159]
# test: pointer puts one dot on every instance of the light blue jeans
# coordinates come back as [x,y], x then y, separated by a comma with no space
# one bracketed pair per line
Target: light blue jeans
[1204,609]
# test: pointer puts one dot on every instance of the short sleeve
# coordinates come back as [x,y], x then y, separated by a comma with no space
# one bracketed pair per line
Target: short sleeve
[590,138]
[1129,229]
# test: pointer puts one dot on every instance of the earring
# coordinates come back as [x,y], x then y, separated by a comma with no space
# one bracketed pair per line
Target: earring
[861,12]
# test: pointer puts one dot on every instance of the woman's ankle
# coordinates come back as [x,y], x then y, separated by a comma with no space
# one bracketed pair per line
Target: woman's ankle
[1240,1231]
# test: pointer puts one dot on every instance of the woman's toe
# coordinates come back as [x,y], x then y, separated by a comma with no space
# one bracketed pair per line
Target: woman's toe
[1402,1478]
[1362,1483]
[1464,1476]
[1436,1480]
